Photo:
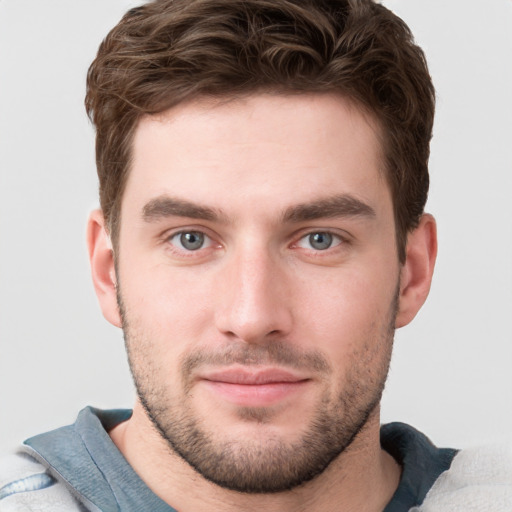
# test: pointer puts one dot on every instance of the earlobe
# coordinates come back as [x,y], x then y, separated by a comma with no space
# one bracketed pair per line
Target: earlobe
[101,258]
[416,273]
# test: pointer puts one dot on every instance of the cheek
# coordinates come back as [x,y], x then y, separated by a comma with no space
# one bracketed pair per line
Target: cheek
[347,310]
[169,307]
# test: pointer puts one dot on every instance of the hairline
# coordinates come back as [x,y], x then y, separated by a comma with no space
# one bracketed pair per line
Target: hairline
[213,100]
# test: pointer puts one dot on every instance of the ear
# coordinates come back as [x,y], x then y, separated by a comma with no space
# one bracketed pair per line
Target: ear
[101,257]
[416,273]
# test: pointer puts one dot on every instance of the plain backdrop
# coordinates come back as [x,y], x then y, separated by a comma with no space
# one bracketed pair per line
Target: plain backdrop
[451,373]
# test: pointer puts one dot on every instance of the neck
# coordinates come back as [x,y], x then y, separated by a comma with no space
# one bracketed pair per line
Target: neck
[362,478]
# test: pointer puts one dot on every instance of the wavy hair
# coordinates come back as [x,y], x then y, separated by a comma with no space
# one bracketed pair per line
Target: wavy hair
[169,51]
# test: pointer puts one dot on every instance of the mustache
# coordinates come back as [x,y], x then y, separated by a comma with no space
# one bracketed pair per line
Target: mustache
[271,353]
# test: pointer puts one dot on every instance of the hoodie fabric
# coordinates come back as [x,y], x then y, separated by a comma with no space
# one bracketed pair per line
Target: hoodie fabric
[78,468]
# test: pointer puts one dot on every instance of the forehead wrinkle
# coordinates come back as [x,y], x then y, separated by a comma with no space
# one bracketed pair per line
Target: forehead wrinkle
[165,206]
[343,205]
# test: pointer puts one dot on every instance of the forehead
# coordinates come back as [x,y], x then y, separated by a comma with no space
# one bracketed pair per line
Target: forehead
[275,149]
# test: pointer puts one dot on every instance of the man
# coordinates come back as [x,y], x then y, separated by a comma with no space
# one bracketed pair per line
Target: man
[263,174]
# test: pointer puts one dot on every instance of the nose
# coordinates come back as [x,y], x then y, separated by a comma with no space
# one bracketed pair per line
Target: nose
[254,302]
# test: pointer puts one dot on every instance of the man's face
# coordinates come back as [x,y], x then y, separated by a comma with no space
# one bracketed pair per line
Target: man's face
[258,279]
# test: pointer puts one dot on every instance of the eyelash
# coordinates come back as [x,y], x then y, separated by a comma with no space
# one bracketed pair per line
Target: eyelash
[182,251]
[335,238]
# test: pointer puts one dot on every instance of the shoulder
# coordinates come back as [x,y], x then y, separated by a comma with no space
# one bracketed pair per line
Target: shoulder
[56,471]
[27,485]
[479,479]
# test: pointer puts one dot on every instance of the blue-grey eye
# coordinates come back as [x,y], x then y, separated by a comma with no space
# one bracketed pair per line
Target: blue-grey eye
[189,240]
[320,241]
[192,240]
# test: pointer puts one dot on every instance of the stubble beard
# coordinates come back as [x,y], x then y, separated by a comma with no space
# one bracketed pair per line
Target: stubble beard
[268,465]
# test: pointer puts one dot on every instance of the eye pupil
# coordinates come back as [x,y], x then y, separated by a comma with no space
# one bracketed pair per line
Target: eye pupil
[192,240]
[320,241]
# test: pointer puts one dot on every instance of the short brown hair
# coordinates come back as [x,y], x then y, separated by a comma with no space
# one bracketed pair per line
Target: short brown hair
[169,51]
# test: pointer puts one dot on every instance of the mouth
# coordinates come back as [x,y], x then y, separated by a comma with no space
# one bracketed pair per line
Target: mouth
[254,387]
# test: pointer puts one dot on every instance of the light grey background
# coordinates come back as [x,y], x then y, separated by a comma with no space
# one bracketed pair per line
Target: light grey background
[451,374]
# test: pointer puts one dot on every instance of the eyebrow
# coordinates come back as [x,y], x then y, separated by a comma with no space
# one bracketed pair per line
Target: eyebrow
[343,205]
[165,206]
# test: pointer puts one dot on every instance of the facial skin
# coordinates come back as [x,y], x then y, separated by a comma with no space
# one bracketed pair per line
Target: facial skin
[259,285]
